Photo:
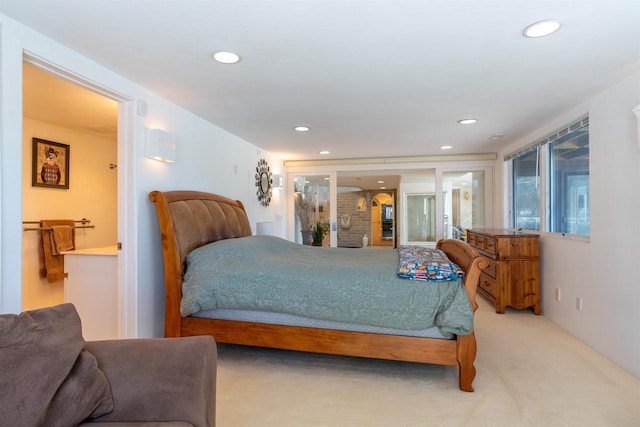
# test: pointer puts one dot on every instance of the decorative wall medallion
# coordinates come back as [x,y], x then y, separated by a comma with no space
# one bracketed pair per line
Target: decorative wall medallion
[264,182]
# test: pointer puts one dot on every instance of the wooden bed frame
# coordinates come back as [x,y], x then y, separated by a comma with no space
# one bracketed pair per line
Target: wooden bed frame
[190,219]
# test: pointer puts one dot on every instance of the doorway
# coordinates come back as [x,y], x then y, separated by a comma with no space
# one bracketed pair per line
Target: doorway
[57,110]
[383,220]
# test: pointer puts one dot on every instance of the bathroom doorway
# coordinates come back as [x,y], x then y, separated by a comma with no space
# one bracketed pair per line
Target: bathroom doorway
[84,123]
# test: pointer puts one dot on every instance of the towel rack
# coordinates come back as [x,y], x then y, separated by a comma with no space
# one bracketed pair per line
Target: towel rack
[83,221]
[50,228]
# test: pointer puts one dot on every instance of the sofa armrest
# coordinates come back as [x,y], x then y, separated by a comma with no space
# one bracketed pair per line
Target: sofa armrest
[159,379]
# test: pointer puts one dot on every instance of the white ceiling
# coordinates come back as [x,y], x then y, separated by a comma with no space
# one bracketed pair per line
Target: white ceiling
[54,100]
[371,78]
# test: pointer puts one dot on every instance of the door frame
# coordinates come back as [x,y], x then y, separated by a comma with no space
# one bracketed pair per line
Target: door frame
[126,295]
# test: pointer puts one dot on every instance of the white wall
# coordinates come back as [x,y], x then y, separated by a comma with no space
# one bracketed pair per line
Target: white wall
[208,159]
[10,167]
[602,271]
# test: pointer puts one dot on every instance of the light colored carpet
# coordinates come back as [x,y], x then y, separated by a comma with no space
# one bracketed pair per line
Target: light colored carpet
[530,373]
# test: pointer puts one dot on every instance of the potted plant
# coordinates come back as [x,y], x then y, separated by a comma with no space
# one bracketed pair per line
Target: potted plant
[304,202]
[318,230]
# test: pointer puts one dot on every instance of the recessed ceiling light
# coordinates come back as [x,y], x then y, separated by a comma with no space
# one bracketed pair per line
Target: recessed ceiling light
[446,147]
[302,128]
[380,182]
[226,57]
[542,28]
[467,121]
[497,136]
[324,152]
[383,188]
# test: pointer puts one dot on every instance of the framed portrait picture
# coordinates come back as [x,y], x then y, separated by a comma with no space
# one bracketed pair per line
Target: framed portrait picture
[50,164]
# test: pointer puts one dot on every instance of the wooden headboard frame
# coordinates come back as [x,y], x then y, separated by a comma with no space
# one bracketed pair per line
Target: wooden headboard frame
[188,220]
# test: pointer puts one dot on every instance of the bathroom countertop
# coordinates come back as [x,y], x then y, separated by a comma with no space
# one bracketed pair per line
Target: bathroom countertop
[104,250]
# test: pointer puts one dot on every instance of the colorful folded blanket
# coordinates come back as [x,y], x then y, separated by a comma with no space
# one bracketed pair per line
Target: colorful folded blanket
[420,263]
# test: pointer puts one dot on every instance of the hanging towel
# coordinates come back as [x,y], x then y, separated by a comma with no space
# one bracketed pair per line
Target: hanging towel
[61,239]
[52,265]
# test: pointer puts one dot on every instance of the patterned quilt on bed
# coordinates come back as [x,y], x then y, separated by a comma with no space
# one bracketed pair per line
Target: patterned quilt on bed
[420,263]
[358,286]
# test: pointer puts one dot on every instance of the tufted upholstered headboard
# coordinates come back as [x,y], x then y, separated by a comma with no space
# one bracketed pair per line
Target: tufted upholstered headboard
[188,220]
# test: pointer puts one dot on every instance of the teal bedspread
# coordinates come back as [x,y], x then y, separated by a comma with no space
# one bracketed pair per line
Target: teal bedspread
[358,286]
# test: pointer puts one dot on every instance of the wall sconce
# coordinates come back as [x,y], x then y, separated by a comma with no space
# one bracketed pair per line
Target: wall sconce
[278,180]
[160,145]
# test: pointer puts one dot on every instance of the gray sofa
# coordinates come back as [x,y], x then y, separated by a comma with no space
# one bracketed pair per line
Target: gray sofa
[49,376]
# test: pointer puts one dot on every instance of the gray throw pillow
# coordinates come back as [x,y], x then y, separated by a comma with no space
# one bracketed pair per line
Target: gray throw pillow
[46,377]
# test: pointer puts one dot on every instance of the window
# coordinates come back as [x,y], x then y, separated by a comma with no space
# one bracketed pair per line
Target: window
[550,181]
[526,191]
[569,183]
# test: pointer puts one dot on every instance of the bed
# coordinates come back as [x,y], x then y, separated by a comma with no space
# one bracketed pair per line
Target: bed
[192,221]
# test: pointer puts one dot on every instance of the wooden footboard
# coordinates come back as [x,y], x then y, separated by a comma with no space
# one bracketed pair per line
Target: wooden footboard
[190,219]
[327,341]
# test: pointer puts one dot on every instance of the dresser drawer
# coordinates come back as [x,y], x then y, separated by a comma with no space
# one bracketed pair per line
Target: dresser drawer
[492,269]
[483,243]
[472,239]
[488,284]
[492,246]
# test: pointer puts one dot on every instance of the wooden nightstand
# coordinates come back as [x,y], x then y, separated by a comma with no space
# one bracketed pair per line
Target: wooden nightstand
[513,276]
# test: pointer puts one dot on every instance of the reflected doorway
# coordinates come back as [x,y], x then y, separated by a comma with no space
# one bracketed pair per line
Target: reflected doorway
[382,220]
[463,205]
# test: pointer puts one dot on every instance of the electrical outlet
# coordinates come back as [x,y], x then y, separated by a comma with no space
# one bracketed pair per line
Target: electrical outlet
[579,304]
[558,294]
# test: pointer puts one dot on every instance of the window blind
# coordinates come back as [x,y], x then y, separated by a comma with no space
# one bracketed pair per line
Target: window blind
[580,123]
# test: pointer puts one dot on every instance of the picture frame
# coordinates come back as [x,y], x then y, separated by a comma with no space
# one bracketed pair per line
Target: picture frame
[50,164]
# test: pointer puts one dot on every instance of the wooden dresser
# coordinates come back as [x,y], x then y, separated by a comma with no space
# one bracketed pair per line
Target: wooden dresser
[513,276]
